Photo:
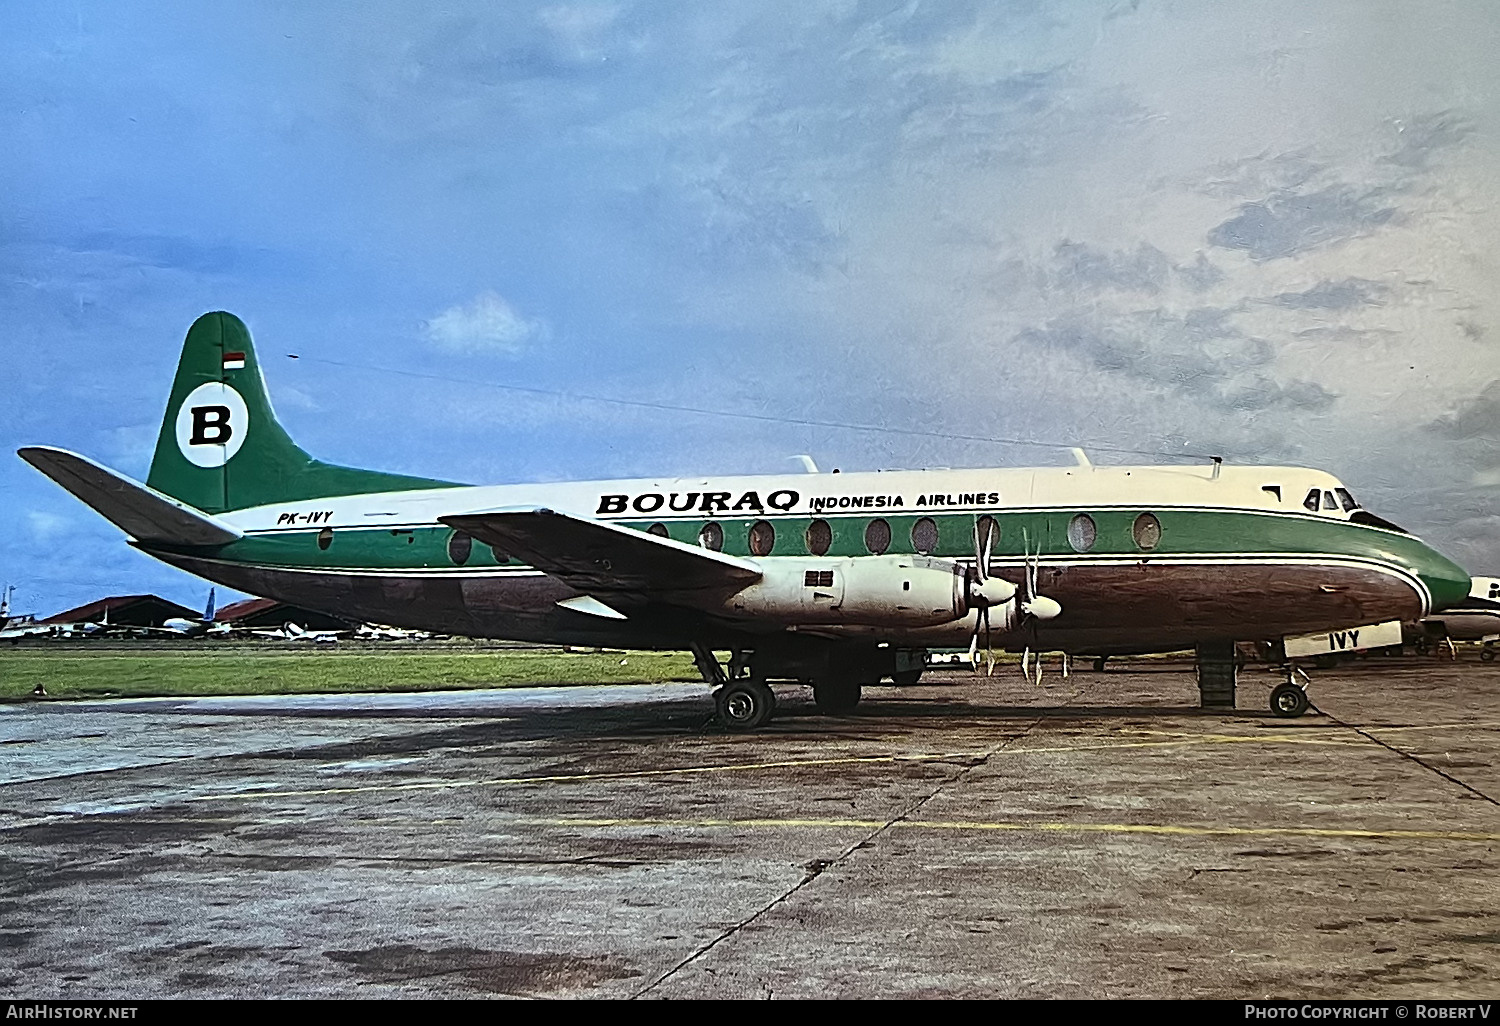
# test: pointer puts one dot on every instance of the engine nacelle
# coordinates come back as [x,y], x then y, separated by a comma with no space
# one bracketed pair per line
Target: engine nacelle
[876,591]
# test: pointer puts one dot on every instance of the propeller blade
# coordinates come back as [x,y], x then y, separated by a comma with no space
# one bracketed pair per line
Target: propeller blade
[984,553]
[981,567]
[989,649]
[1025,566]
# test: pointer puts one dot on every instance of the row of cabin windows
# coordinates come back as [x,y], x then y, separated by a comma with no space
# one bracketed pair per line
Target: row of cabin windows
[460,545]
[1082,534]
[761,538]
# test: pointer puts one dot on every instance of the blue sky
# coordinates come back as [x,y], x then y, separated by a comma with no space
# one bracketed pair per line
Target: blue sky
[1264,229]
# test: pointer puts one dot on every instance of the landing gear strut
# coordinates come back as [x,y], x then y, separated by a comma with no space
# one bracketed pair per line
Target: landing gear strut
[836,698]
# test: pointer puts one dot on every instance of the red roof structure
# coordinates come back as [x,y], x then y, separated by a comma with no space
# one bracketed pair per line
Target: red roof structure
[127,611]
[264,612]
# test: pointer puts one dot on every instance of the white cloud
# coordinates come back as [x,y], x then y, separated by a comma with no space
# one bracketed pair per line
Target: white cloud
[488,324]
[45,526]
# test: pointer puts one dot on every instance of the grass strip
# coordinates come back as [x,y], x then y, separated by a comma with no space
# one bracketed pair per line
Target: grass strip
[205,671]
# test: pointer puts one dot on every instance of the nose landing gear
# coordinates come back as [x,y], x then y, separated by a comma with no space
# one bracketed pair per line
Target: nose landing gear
[1289,698]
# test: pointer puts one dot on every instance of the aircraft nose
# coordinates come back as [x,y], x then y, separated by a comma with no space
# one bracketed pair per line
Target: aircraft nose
[1446,580]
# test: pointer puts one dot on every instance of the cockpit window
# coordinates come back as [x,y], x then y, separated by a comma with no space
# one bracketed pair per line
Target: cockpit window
[1347,499]
[1311,502]
[1329,502]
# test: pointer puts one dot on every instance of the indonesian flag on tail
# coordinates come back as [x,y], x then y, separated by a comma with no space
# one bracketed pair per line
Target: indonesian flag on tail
[234,361]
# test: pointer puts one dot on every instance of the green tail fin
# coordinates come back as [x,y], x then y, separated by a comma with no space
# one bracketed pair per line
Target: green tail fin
[221,447]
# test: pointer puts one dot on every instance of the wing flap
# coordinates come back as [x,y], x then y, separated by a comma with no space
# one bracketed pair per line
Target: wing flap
[140,511]
[605,559]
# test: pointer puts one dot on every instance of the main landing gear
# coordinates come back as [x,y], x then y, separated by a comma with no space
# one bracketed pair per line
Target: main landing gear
[1289,698]
[742,698]
[745,703]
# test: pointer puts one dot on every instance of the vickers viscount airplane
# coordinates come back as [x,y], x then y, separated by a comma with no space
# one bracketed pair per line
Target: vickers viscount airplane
[836,580]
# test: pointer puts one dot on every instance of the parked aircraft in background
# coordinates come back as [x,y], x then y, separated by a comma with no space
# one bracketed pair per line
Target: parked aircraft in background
[836,580]
[15,628]
[206,624]
[380,632]
[296,633]
[1477,618]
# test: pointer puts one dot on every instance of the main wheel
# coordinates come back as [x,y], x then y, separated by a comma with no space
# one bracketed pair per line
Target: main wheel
[906,678]
[836,698]
[1289,700]
[1487,654]
[744,704]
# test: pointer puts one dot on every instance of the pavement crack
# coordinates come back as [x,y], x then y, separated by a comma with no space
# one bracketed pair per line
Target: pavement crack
[1476,792]
[813,870]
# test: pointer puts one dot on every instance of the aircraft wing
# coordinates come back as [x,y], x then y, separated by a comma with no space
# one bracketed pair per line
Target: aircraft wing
[607,560]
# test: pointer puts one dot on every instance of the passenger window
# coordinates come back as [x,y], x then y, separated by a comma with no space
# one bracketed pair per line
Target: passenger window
[660,530]
[1311,502]
[460,547]
[878,537]
[819,537]
[1082,532]
[762,538]
[1147,531]
[924,536]
[325,538]
[1329,502]
[711,536]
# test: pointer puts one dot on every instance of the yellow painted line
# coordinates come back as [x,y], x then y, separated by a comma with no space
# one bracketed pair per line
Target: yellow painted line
[562,778]
[1203,739]
[1016,826]
[568,778]
[1434,726]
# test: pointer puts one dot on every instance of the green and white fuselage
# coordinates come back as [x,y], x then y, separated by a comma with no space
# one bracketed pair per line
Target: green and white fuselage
[1137,558]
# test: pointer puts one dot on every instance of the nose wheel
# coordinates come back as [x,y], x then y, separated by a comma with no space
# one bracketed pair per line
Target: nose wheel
[1289,698]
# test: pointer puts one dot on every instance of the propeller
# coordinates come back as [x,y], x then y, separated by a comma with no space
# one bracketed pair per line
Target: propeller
[1034,608]
[985,591]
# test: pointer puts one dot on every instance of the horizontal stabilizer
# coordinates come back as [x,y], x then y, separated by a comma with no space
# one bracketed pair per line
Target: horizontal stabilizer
[141,512]
[604,559]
